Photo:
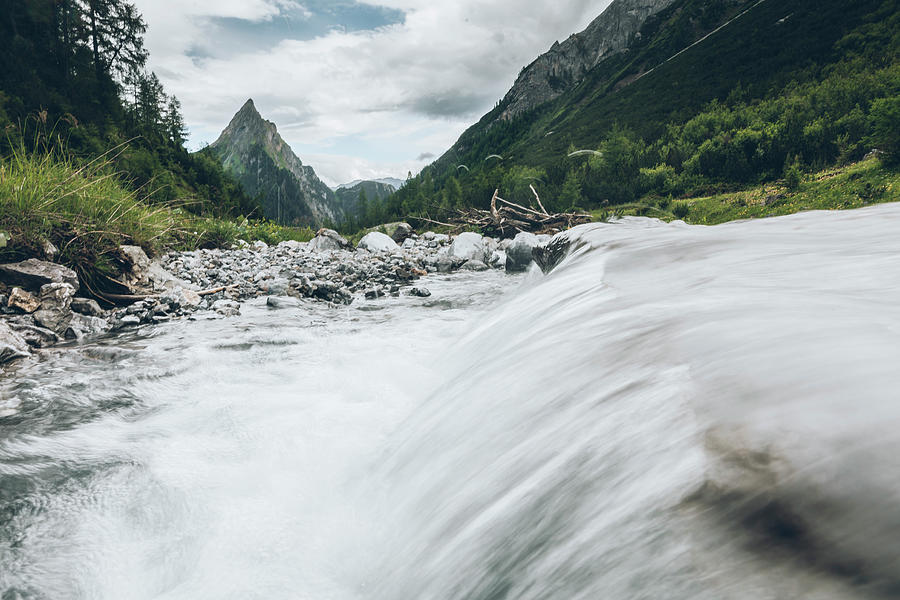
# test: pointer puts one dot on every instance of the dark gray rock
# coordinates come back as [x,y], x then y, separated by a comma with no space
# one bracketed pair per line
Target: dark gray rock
[475,265]
[31,274]
[12,345]
[519,253]
[282,302]
[85,326]
[402,232]
[444,263]
[420,292]
[34,336]
[86,306]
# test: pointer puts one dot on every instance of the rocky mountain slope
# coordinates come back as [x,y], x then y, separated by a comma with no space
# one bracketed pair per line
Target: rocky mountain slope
[252,150]
[567,63]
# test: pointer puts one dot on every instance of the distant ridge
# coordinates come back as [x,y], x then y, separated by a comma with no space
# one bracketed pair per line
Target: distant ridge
[391,181]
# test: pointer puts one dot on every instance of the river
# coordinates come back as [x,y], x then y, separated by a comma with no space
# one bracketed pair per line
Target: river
[675,412]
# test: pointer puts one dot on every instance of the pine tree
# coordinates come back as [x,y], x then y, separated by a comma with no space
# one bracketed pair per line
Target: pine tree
[174,122]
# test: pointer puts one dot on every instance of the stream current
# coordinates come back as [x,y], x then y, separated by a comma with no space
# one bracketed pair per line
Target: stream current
[675,412]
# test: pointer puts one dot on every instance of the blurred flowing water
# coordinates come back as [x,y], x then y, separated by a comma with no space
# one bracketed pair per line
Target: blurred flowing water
[675,412]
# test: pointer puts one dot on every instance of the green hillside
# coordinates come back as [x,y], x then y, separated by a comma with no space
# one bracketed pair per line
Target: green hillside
[785,86]
[73,76]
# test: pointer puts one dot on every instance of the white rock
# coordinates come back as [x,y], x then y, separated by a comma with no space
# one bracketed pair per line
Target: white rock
[469,246]
[378,242]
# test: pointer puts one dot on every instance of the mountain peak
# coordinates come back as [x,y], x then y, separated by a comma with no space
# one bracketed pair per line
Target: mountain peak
[251,149]
[249,108]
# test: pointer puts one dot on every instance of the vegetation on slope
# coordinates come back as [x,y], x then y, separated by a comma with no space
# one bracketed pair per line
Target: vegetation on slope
[852,186]
[75,70]
[786,88]
[85,211]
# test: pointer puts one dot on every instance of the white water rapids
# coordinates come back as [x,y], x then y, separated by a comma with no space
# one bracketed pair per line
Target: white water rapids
[675,412]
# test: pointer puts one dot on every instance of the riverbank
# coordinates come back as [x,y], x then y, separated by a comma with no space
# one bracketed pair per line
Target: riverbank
[847,187]
[44,303]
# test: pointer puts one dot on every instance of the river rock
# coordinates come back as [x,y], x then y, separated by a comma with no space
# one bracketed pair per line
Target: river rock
[56,307]
[328,240]
[498,259]
[34,336]
[469,246]
[520,251]
[22,300]
[182,298]
[282,302]
[86,306]
[227,308]
[378,242]
[401,232]
[84,325]
[31,274]
[475,265]
[420,292]
[12,345]
[444,263]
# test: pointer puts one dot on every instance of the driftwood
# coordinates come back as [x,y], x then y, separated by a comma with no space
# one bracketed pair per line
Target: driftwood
[506,219]
[127,298]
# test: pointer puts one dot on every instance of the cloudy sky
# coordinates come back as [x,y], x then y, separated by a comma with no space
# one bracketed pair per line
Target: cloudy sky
[360,89]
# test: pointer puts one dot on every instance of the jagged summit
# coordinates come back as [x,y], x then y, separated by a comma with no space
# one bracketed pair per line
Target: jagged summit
[251,148]
[566,63]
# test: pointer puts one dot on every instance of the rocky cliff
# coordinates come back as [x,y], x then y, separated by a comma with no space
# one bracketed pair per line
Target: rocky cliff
[566,63]
[251,149]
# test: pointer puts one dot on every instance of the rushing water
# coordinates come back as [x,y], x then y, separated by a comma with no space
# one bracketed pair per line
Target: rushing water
[674,413]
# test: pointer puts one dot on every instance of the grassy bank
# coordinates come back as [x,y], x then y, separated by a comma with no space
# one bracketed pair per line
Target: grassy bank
[86,211]
[853,186]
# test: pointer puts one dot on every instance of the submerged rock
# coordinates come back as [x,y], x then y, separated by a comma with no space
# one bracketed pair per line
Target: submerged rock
[83,325]
[519,252]
[475,265]
[420,292]
[12,345]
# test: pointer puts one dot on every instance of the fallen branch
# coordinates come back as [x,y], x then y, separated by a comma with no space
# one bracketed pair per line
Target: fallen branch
[538,198]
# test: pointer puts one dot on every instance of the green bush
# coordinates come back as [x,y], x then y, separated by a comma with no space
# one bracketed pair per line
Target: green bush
[886,125]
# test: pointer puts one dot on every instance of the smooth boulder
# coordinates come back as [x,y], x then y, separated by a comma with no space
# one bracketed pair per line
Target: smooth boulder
[31,274]
[519,253]
[378,242]
[469,246]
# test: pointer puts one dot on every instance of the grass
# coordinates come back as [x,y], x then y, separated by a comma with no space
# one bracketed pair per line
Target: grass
[853,186]
[86,211]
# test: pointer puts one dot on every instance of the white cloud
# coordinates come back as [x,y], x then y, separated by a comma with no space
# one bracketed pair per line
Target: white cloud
[383,96]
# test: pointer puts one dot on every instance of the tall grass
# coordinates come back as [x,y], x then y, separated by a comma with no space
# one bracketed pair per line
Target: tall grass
[82,209]
[87,211]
